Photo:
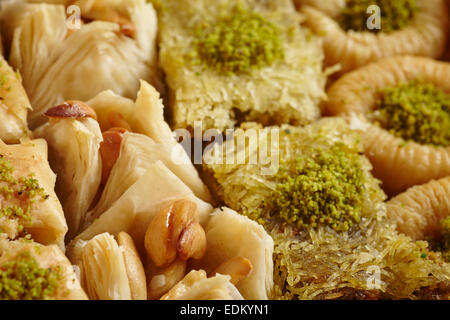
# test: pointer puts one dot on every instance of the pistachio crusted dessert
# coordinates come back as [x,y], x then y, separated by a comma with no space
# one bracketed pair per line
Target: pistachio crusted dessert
[416,111]
[326,215]
[23,279]
[227,62]
[100,201]
[357,32]
[25,190]
[31,271]
[422,213]
[405,117]
[28,203]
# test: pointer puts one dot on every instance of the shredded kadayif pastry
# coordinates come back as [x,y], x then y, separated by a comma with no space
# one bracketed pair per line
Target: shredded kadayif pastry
[326,215]
[232,61]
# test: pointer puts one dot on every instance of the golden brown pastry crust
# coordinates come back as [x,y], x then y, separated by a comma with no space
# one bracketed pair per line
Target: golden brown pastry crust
[418,211]
[14,104]
[398,164]
[46,257]
[48,224]
[425,36]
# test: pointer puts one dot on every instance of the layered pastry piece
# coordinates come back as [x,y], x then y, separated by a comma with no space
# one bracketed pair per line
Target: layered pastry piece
[58,55]
[325,213]
[227,62]
[404,107]
[423,213]
[357,32]
[131,165]
[419,210]
[95,169]
[31,271]
[110,269]
[131,181]
[74,138]
[146,117]
[231,240]
[229,244]
[197,286]
[14,104]
[28,203]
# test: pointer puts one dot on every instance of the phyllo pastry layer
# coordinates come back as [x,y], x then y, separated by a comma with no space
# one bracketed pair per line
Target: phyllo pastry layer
[74,143]
[28,203]
[14,104]
[31,271]
[61,58]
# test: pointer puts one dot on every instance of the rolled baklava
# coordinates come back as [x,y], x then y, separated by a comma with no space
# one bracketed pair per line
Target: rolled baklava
[357,32]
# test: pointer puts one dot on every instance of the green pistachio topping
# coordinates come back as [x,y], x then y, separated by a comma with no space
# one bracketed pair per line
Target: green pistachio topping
[416,111]
[23,279]
[394,14]
[6,171]
[239,42]
[323,189]
[3,80]
[26,190]
[15,212]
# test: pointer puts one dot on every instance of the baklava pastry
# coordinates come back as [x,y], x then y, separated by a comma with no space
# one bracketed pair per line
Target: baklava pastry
[146,116]
[96,168]
[419,210]
[110,269]
[28,203]
[74,139]
[14,104]
[62,58]
[197,286]
[423,213]
[227,62]
[31,271]
[356,33]
[404,103]
[132,198]
[137,161]
[325,213]
[231,239]
[228,244]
